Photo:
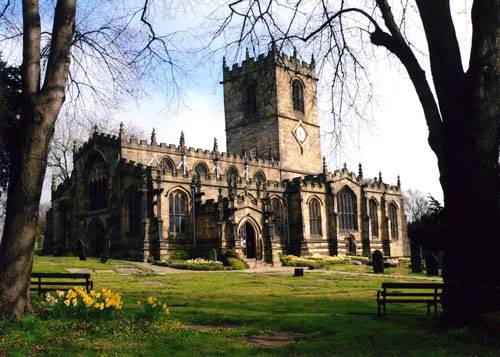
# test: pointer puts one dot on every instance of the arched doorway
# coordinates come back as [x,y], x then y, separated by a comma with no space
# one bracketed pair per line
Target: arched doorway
[350,246]
[248,238]
[97,237]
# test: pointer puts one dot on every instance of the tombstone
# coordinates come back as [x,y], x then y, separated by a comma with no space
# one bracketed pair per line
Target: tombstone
[378,262]
[105,252]
[431,265]
[298,272]
[80,250]
[416,259]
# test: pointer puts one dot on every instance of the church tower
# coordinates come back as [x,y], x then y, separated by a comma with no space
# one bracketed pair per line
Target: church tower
[271,112]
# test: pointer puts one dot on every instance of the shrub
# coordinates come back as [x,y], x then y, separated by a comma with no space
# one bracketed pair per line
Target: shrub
[237,264]
[79,303]
[153,308]
[180,255]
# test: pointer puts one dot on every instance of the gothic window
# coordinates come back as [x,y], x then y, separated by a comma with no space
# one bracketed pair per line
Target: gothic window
[251,99]
[347,209]
[201,169]
[393,217]
[233,173]
[167,164]
[132,212]
[177,203]
[374,217]
[97,183]
[298,96]
[260,177]
[279,216]
[315,217]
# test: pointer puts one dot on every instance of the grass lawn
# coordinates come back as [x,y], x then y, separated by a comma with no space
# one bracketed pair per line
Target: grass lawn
[328,313]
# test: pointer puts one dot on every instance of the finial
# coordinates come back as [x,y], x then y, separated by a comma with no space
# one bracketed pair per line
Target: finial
[360,170]
[121,131]
[216,146]
[182,141]
[95,128]
[345,166]
[153,136]
[313,62]
[325,168]
[380,176]
[53,185]
[247,53]
[270,153]
[224,64]
[375,180]
[294,55]
[220,192]
[75,146]
[399,182]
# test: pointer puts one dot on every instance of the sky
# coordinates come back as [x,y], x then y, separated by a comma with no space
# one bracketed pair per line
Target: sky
[394,141]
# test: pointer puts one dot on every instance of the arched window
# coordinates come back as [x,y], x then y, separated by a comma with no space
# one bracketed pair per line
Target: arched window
[167,164]
[260,177]
[315,217]
[201,169]
[132,211]
[374,217]
[97,183]
[298,96]
[251,99]
[347,209]
[177,211]
[233,173]
[279,216]
[393,216]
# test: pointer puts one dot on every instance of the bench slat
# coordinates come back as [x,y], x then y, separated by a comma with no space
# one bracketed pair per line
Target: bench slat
[411,294]
[60,283]
[412,285]
[61,275]
[419,301]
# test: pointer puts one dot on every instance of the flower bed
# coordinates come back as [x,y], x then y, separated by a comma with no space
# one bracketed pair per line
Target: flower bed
[194,264]
[317,262]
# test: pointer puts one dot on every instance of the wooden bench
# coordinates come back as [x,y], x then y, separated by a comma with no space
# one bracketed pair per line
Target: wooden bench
[43,282]
[409,293]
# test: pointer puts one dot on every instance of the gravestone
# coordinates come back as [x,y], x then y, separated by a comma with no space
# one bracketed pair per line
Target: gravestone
[431,265]
[378,262]
[298,272]
[213,254]
[105,252]
[80,250]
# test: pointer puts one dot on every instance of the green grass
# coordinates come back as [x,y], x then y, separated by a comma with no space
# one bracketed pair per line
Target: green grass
[335,313]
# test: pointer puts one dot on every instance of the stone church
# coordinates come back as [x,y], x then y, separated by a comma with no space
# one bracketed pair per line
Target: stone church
[271,192]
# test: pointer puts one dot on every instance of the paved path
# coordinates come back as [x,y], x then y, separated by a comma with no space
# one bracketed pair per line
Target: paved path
[280,271]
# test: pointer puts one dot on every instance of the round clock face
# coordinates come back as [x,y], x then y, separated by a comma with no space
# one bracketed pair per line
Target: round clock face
[301,133]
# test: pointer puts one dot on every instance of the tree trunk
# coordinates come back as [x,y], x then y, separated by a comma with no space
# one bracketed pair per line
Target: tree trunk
[29,163]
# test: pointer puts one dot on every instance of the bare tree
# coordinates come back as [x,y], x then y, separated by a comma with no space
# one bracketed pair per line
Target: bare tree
[93,49]
[416,204]
[460,106]
[70,134]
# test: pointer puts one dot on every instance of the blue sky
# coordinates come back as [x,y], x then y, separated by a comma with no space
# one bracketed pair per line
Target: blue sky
[393,141]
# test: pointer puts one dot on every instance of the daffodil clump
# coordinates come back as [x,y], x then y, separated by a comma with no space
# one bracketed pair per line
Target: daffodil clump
[153,308]
[201,261]
[78,302]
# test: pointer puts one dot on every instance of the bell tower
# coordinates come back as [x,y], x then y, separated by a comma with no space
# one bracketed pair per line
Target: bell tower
[271,111]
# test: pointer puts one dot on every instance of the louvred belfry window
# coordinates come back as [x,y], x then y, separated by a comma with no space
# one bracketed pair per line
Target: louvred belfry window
[298,96]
